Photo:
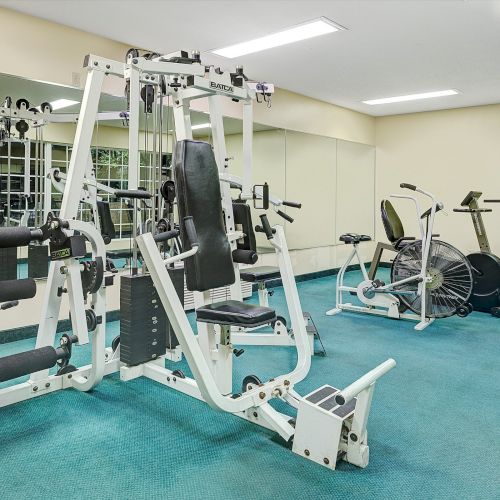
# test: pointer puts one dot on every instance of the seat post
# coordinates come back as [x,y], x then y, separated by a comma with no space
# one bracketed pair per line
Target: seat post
[361,263]
[216,352]
[263,294]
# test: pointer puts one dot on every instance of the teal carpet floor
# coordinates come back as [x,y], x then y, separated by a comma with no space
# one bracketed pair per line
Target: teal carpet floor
[434,429]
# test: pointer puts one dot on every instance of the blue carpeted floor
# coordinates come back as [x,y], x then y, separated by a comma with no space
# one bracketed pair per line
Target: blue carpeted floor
[434,427]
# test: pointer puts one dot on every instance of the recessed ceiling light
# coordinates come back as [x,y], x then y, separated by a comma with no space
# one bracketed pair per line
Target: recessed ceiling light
[310,29]
[201,125]
[412,97]
[62,103]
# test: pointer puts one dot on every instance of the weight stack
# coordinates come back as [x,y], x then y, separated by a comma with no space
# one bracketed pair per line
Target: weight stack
[38,261]
[8,264]
[145,332]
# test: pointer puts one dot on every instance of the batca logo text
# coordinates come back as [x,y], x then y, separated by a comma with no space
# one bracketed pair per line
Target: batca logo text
[221,86]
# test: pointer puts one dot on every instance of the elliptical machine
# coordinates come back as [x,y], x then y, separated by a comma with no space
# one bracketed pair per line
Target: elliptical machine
[485,264]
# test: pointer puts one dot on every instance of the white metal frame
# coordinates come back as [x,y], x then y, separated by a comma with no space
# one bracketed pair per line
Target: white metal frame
[319,435]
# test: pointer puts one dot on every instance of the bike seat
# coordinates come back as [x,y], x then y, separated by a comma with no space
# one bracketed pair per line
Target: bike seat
[353,238]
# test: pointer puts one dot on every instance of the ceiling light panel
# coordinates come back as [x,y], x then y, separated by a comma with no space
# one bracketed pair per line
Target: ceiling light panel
[310,29]
[412,97]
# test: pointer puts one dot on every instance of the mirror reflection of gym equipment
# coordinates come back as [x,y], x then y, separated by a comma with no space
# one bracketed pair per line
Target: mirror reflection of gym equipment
[236,260]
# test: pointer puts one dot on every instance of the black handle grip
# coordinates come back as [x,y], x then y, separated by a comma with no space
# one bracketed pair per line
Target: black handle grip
[166,235]
[244,256]
[260,229]
[292,204]
[284,215]
[268,230]
[190,231]
[407,186]
[472,210]
[133,193]
[17,289]
[265,196]
[8,305]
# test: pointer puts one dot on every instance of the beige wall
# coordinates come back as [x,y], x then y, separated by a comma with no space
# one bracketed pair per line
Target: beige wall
[332,178]
[446,152]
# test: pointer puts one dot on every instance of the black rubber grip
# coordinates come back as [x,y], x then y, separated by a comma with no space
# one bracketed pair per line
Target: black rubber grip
[266,226]
[265,196]
[245,256]
[491,201]
[190,231]
[8,305]
[284,215]
[166,235]
[408,186]
[136,193]
[24,363]
[17,289]
[13,237]
[260,229]
[472,210]
[292,204]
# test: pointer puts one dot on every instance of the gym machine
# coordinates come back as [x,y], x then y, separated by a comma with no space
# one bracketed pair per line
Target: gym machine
[485,264]
[83,282]
[429,277]
[330,423]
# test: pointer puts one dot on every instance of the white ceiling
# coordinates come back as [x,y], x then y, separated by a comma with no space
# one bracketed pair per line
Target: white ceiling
[389,48]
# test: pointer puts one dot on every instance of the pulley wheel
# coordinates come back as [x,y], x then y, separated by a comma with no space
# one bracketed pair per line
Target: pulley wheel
[250,382]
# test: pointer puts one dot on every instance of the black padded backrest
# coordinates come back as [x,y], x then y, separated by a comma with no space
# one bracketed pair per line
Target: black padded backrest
[199,197]
[392,223]
[243,221]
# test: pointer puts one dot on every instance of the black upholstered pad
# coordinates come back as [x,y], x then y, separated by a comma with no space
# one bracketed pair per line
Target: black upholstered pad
[351,238]
[199,197]
[261,273]
[234,312]
[392,223]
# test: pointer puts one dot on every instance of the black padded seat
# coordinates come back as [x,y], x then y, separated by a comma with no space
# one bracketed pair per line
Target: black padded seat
[260,273]
[353,238]
[235,313]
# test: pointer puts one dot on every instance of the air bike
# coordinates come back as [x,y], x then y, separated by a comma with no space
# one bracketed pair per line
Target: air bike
[430,278]
[485,264]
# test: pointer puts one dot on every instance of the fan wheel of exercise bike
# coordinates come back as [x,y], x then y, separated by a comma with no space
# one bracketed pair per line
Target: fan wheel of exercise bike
[451,284]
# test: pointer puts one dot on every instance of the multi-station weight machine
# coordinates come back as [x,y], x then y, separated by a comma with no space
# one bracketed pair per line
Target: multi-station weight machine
[330,424]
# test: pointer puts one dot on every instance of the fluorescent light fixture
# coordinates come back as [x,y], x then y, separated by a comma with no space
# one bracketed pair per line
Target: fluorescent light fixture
[412,97]
[201,125]
[310,29]
[62,103]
